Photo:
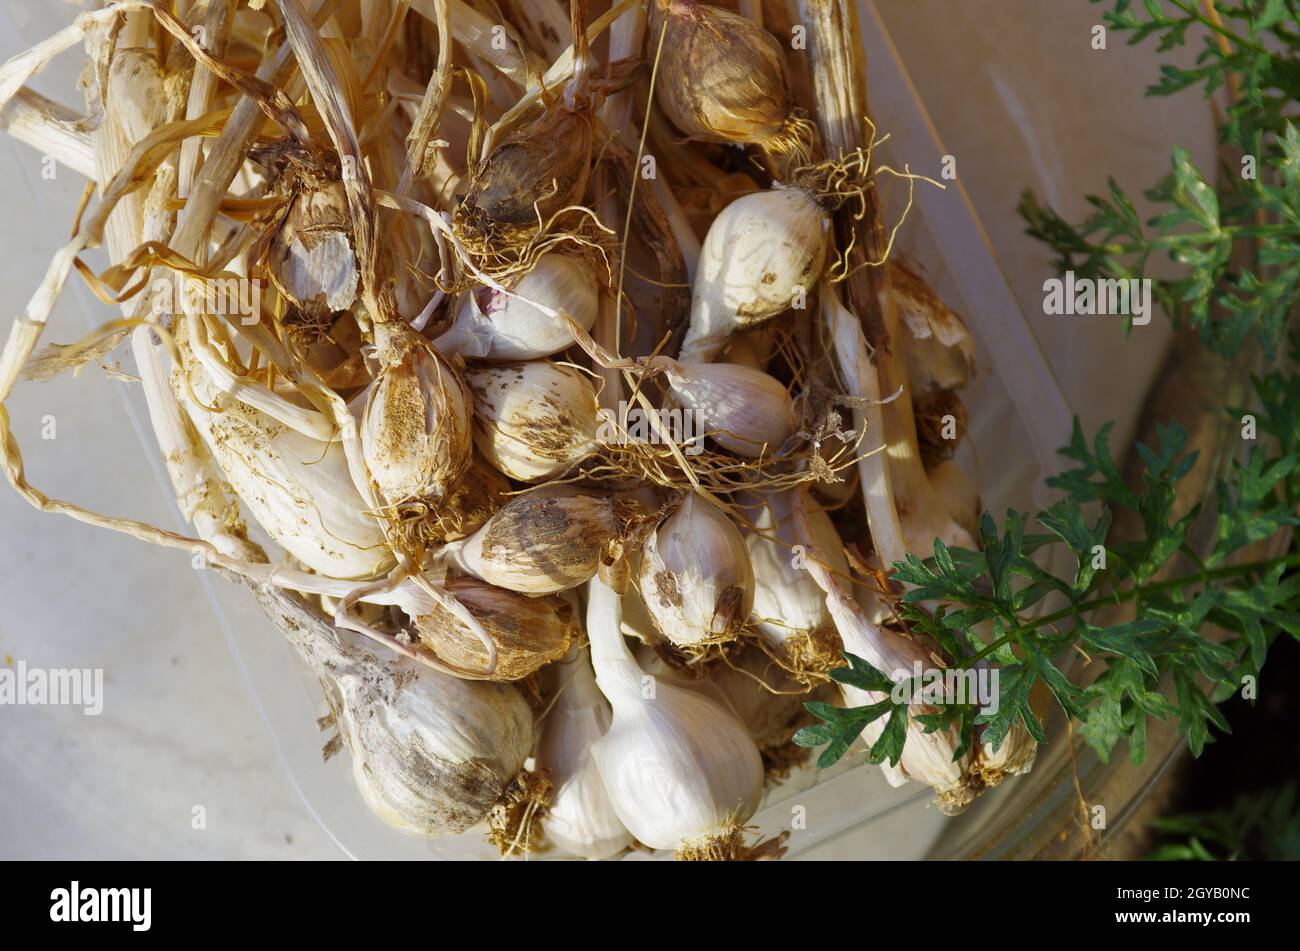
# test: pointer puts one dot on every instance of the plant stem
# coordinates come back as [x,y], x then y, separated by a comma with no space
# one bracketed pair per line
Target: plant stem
[1182,581]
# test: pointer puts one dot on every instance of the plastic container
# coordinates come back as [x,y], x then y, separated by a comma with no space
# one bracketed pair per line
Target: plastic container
[848,811]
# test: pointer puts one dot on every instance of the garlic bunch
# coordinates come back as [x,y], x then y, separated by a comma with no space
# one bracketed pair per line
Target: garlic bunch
[431,754]
[744,410]
[790,611]
[416,431]
[763,254]
[548,540]
[491,325]
[722,76]
[695,577]
[533,421]
[681,771]
[299,490]
[580,818]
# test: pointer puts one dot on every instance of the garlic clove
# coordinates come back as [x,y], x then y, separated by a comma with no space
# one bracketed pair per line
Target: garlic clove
[490,325]
[416,429]
[764,254]
[695,577]
[580,819]
[528,632]
[534,420]
[542,542]
[744,410]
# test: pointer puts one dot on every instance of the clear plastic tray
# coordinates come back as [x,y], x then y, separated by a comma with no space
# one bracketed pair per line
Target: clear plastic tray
[847,811]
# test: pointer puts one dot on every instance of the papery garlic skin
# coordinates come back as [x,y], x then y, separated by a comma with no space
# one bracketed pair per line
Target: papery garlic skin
[959,494]
[744,410]
[695,577]
[762,254]
[789,607]
[431,753]
[580,818]
[439,751]
[535,420]
[680,770]
[416,429]
[491,325]
[722,76]
[298,489]
[528,632]
[548,540]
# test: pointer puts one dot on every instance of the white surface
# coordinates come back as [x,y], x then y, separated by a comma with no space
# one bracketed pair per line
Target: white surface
[1018,96]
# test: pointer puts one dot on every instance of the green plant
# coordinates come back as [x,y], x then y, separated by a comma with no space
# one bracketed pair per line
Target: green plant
[1236,245]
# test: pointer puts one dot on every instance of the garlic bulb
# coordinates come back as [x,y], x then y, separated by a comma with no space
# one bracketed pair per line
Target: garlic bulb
[490,325]
[548,540]
[789,607]
[580,818]
[537,170]
[722,77]
[681,771]
[533,420]
[431,754]
[744,410]
[695,575]
[1014,757]
[762,254]
[415,434]
[298,489]
[528,632]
